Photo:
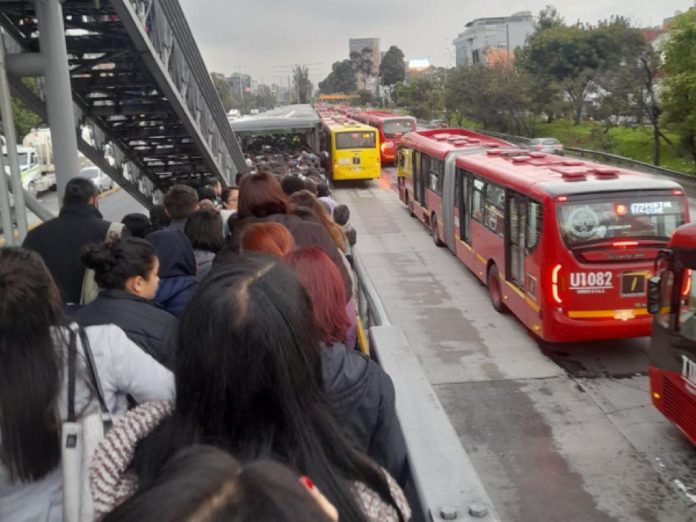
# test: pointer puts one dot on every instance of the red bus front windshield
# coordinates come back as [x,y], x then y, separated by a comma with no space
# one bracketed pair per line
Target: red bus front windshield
[355,140]
[587,221]
[393,127]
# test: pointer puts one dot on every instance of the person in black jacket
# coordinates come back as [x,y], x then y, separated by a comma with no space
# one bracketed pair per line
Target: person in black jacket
[361,394]
[60,240]
[126,272]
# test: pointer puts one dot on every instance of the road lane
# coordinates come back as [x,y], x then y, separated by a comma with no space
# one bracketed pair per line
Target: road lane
[561,432]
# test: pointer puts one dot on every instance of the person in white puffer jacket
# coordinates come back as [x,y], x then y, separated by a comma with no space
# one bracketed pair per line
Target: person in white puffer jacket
[34,341]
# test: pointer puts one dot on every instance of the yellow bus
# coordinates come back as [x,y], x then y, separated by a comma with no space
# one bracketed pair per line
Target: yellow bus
[350,149]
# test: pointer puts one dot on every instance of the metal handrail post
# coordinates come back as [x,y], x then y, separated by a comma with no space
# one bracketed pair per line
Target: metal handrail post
[11,144]
[59,103]
[5,207]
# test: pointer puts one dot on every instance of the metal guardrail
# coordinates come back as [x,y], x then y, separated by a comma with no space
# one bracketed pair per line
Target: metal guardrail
[443,482]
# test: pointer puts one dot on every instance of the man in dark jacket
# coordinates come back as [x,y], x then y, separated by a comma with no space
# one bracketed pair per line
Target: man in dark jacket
[144,323]
[178,269]
[60,240]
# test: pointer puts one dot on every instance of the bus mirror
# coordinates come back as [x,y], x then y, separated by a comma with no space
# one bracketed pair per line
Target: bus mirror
[654,295]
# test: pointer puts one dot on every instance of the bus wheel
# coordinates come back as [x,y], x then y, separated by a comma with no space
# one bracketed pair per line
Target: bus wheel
[433,229]
[495,290]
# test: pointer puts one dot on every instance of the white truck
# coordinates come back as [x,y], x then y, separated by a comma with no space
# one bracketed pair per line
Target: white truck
[36,161]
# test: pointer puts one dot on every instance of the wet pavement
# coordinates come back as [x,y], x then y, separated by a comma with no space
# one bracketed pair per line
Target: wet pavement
[557,432]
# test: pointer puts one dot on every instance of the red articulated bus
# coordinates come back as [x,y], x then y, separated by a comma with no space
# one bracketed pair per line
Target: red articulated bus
[566,245]
[392,127]
[672,300]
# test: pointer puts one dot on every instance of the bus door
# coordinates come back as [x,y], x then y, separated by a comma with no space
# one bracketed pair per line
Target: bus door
[422,178]
[463,189]
[448,203]
[515,239]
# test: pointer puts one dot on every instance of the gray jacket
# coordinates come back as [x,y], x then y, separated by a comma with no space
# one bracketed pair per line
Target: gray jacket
[124,369]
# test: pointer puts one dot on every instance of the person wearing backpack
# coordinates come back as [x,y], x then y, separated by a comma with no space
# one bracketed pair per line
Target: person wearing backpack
[61,240]
[35,346]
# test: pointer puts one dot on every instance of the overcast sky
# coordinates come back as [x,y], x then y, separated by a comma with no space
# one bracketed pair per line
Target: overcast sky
[265,38]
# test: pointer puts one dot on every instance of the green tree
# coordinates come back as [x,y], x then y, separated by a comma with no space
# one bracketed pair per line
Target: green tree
[223,91]
[341,79]
[679,86]
[392,69]
[264,97]
[423,96]
[302,86]
[24,118]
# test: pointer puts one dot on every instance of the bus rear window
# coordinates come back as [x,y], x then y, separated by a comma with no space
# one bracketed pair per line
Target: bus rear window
[638,217]
[355,140]
[392,127]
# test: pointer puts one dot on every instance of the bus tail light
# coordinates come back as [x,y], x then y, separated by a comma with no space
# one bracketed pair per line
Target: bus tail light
[686,283]
[624,244]
[554,284]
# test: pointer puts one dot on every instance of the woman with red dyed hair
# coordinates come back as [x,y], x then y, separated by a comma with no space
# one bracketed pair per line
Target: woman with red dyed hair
[361,394]
[268,238]
[261,198]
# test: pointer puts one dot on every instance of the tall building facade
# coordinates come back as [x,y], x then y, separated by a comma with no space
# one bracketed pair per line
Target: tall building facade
[358,45]
[484,39]
[239,82]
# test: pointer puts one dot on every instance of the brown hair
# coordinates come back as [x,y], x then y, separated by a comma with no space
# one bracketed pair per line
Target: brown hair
[180,201]
[261,195]
[304,198]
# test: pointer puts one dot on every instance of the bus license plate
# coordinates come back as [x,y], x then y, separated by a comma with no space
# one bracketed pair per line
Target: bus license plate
[689,373]
[356,161]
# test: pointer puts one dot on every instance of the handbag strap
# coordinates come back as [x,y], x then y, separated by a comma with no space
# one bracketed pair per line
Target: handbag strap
[92,370]
[72,356]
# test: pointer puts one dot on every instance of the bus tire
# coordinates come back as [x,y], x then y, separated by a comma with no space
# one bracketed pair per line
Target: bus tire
[495,290]
[434,230]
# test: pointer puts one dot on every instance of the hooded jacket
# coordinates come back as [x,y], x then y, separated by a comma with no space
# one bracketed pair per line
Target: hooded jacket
[177,271]
[60,242]
[362,400]
[143,321]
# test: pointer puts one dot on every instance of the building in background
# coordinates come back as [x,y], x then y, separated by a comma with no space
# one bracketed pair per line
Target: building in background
[418,67]
[358,45]
[239,83]
[503,34]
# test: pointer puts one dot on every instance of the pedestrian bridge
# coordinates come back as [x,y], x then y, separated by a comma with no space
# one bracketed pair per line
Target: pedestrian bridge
[139,85]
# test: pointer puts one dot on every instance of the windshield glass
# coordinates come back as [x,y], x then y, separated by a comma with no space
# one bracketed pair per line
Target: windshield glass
[355,140]
[639,217]
[22,158]
[392,127]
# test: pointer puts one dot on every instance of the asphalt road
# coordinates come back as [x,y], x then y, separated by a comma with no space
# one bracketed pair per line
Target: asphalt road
[561,433]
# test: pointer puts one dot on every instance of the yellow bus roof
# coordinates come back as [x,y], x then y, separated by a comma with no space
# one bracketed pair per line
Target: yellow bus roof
[338,124]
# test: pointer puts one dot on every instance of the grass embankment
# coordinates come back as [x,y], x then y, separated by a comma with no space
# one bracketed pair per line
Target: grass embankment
[631,142]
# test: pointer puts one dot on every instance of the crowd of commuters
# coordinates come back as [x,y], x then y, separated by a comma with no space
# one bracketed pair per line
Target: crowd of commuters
[223,334]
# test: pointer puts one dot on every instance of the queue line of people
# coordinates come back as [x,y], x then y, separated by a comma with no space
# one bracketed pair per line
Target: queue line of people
[227,340]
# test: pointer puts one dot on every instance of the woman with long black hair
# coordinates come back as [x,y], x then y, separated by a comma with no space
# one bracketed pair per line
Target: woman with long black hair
[34,342]
[249,381]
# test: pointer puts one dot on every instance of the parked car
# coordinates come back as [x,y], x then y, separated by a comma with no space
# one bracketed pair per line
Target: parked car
[550,145]
[99,178]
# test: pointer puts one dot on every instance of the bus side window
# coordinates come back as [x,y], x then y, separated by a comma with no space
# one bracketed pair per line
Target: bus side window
[477,200]
[665,315]
[436,171]
[494,217]
[535,224]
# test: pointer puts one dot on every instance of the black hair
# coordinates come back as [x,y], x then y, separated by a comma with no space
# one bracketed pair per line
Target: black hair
[117,260]
[206,484]
[305,214]
[137,224]
[248,379]
[30,371]
[206,192]
[204,229]
[79,191]
[323,189]
[226,193]
[158,217]
[292,184]
[341,214]
[180,201]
